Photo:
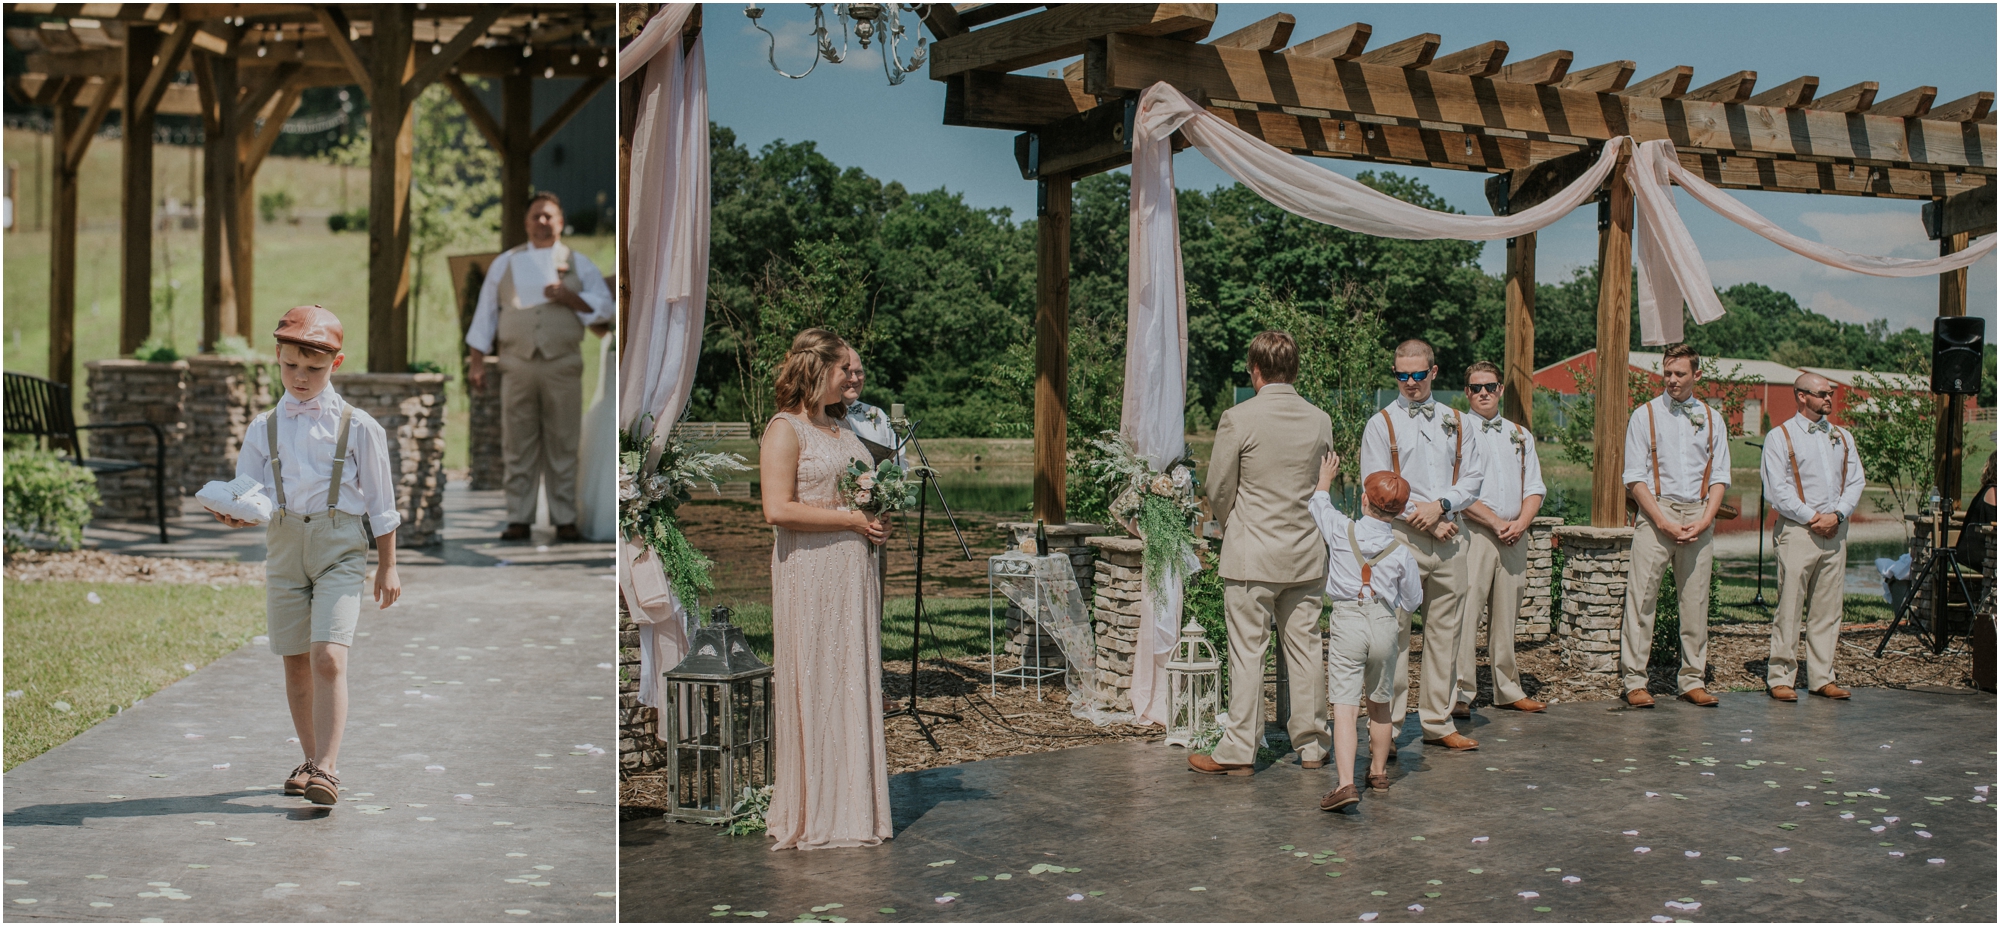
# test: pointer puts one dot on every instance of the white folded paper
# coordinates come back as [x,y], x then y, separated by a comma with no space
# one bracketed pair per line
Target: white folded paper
[533,270]
[242,499]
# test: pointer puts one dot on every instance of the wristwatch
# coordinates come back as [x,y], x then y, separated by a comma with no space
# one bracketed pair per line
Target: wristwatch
[1839,518]
[1445,503]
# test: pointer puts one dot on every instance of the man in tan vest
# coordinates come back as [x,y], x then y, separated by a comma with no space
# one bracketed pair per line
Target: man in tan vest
[1261,476]
[541,388]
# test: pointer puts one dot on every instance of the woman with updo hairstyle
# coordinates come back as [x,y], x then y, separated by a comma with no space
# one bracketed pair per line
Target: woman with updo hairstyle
[831,783]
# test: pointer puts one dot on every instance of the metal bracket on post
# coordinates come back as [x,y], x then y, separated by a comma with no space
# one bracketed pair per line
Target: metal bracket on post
[1934,219]
[1131,116]
[1041,197]
[1028,154]
[1604,209]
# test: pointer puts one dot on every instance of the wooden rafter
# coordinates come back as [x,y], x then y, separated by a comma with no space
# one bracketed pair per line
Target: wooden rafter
[1413,52]
[1343,44]
[1610,77]
[476,112]
[259,146]
[76,145]
[569,108]
[334,20]
[1268,34]
[1855,99]
[1735,88]
[1909,104]
[1964,109]
[1482,60]
[1670,84]
[1541,70]
[436,65]
[1792,94]
[258,95]
[1059,33]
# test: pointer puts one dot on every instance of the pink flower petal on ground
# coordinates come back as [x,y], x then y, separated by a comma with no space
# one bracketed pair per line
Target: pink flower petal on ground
[433,768]
[1916,761]
[1805,803]
[1527,895]
[1980,788]
[192,736]
[1746,739]
[1662,919]
[1415,908]
[1076,896]
[1924,833]
[463,797]
[1937,861]
[1534,787]
[1874,790]
[1877,829]
[1895,855]
[1847,816]
[223,765]
[1369,917]
[1480,838]
[1571,879]
[1643,849]
[1652,794]
[1782,849]
[294,740]
[1631,832]
[946,899]
[1692,854]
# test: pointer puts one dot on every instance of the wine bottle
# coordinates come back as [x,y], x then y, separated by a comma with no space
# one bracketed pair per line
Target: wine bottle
[1041,538]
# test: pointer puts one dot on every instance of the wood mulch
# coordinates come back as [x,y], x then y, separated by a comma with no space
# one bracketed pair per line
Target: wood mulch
[98,566]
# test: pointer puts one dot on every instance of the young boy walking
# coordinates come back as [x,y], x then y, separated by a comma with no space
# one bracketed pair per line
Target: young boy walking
[327,464]
[1372,583]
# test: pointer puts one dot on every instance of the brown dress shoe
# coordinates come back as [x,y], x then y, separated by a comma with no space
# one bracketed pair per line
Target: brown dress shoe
[1378,782]
[1638,697]
[1208,766]
[1343,796]
[1782,693]
[295,783]
[1528,706]
[1461,710]
[1700,697]
[1457,742]
[516,531]
[323,788]
[1831,690]
[1312,763]
[567,533]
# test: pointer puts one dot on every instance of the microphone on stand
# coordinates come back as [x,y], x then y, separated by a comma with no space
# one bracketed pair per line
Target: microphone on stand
[898,421]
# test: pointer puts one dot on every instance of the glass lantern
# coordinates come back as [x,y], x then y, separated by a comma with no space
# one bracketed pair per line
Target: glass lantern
[717,724]
[1194,683]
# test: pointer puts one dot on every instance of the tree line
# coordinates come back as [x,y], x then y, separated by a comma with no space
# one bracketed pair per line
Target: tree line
[939,295]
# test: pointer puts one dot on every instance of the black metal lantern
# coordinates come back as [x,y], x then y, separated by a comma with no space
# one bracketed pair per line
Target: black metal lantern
[717,724]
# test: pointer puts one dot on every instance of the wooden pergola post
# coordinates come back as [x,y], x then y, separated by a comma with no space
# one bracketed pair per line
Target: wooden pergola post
[517,153]
[1518,368]
[135,270]
[1052,230]
[220,214]
[1949,438]
[392,124]
[62,238]
[1614,332]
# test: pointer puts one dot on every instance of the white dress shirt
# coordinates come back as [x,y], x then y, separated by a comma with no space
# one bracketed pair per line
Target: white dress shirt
[486,315]
[1684,448]
[1426,449]
[1513,472]
[306,435]
[872,424]
[1820,460]
[1394,580]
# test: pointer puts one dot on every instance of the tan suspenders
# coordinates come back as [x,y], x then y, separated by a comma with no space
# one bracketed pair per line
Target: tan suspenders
[1793,453]
[1457,450]
[339,457]
[1367,565]
[1653,437]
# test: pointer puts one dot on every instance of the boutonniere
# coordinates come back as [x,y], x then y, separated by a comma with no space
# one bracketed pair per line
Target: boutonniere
[1699,423]
[1520,442]
[1450,425]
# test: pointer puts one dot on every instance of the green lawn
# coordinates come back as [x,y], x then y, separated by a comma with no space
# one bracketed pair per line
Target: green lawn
[957,627]
[71,663]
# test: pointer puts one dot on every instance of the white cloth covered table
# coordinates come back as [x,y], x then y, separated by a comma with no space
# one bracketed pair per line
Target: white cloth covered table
[1045,589]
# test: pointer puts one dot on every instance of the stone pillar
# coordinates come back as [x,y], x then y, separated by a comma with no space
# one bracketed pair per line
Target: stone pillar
[1067,539]
[1120,574]
[134,390]
[639,749]
[1597,563]
[1536,611]
[223,394]
[411,408]
[485,450]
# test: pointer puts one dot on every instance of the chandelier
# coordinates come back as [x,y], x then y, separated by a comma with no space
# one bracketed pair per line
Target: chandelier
[880,23]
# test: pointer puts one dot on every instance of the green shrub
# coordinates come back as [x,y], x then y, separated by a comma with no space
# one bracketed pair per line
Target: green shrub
[48,500]
[275,205]
[156,349]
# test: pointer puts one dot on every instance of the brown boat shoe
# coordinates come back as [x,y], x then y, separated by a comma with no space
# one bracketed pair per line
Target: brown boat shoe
[1700,697]
[1455,741]
[1832,691]
[1461,710]
[1782,693]
[295,783]
[1378,782]
[323,788]
[1207,765]
[1343,796]
[516,531]
[1527,706]
[1639,697]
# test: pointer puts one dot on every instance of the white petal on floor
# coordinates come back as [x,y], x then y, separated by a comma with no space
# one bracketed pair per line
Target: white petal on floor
[1642,850]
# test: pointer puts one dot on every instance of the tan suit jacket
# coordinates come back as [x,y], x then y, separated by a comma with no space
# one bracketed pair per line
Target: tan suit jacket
[1261,474]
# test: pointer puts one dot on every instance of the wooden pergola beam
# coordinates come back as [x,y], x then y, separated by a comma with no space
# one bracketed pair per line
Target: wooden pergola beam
[1343,44]
[1908,104]
[1413,52]
[1059,33]
[1541,70]
[145,80]
[1268,34]
[93,118]
[475,111]
[1964,109]
[942,19]
[62,232]
[337,26]
[1735,88]
[1669,84]
[1482,60]
[1010,101]
[1854,99]
[1792,94]
[391,128]
[568,110]
[1967,213]
[436,65]
[1609,77]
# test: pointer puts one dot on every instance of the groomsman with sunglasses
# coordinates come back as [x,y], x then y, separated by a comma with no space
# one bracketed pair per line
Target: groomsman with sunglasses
[1812,475]
[1426,442]
[1509,498]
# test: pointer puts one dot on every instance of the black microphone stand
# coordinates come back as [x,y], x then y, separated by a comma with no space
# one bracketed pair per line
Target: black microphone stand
[1759,602]
[911,709]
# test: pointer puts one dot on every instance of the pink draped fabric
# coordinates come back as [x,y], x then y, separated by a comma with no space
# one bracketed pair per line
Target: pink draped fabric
[667,246]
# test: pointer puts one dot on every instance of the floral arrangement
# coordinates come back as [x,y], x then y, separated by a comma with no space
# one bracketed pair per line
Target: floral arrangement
[749,811]
[1157,507]
[882,488]
[648,497]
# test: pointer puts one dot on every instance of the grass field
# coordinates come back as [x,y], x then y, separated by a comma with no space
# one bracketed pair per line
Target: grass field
[71,663]
[952,627]
[295,265]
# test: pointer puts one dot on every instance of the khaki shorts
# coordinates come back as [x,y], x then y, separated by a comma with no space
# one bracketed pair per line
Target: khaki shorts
[1361,653]
[314,570]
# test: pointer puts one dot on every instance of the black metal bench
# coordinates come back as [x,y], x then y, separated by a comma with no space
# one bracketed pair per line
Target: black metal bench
[41,408]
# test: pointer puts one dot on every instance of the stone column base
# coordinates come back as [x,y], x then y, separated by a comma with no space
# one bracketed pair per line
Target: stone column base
[1120,576]
[486,451]
[411,408]
[134,390]
[1598,561]
[639,749]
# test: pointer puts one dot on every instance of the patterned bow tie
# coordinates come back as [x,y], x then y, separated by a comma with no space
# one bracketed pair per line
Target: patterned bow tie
[1818,426]
[1682,408]
[1428,410]
[296,408]
[1493,425]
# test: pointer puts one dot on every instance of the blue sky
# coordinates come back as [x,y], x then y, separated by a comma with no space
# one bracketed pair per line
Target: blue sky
[896,133]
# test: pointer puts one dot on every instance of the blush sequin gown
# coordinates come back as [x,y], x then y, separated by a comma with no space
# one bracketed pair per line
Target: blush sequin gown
[831,787]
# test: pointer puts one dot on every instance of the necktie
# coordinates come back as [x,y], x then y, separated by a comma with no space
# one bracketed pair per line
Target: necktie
[1427,409]
[295,408]
[1493,425]
[1818,426]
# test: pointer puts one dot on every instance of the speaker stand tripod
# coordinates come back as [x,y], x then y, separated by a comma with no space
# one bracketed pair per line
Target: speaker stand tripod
[1942,562]
[929,477]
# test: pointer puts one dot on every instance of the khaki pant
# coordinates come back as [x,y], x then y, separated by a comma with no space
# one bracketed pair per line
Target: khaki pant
[541,418]
[1498,579]
[315,570]
[1250,607]
[1652,550]
[1811,579]
[1444,568]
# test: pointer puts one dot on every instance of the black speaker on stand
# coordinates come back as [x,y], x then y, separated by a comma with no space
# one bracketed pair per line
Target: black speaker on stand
[1958,354]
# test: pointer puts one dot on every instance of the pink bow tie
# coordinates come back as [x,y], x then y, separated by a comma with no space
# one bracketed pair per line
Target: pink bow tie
[295,409]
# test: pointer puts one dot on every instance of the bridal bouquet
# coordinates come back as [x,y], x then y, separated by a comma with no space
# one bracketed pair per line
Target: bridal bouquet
[1158,507]
[647,499]
[882,488]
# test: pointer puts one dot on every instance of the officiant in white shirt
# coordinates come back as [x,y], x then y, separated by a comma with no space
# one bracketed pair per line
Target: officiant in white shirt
[536,303]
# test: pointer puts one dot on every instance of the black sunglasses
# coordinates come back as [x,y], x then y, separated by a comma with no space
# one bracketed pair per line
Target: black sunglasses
[1477,388]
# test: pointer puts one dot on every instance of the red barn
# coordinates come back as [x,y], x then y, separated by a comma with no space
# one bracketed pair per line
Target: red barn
[1770,398]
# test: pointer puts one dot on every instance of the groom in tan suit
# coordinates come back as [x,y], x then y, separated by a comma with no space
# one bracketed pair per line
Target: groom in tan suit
[1261,474]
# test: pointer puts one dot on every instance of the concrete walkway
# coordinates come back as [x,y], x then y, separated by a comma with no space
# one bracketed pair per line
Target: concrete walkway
[468,793]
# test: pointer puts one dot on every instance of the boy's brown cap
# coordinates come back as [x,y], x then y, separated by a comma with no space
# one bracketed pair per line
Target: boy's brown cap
[310,326]
[1386,491]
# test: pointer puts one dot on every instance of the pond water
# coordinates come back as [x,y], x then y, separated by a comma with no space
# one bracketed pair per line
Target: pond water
[972,487]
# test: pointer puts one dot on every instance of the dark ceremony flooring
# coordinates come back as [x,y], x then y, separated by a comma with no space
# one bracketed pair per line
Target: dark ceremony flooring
[1876,809]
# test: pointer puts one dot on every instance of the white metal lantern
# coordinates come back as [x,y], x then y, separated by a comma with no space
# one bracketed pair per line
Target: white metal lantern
[1194,681]
[717,724]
